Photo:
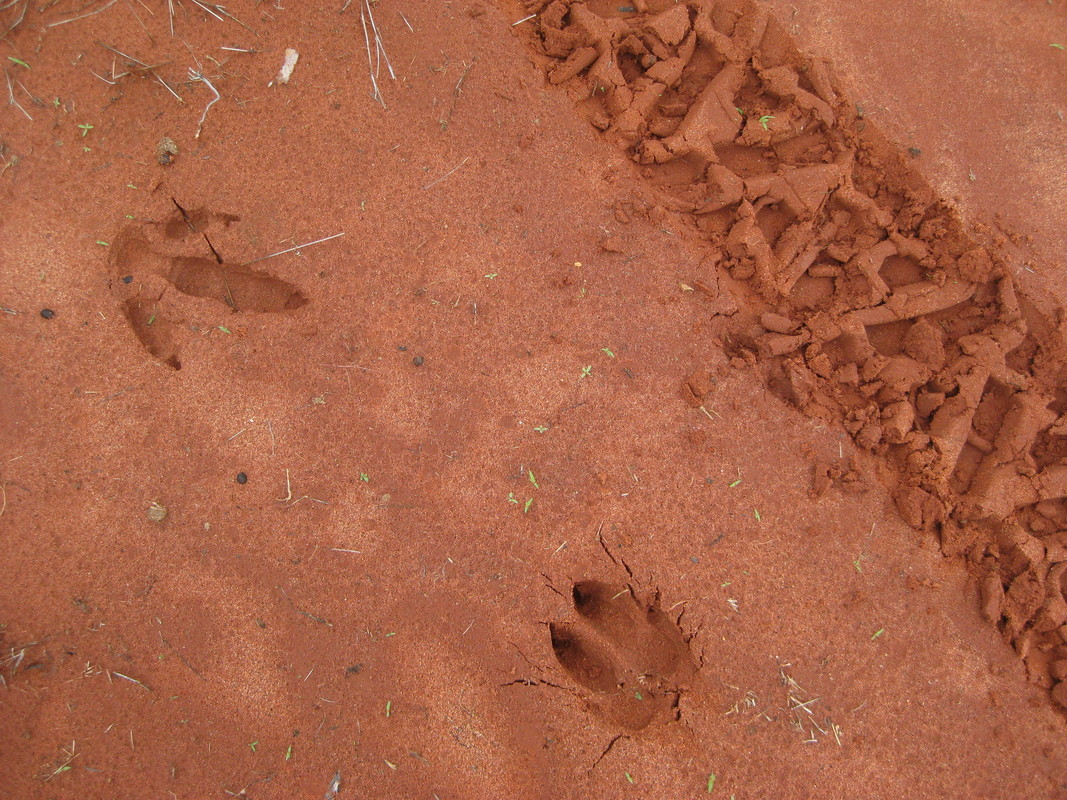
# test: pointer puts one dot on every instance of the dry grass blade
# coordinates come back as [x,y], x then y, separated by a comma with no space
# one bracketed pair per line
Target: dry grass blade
[18,20]
[374,62]
[83,16]
[11,96]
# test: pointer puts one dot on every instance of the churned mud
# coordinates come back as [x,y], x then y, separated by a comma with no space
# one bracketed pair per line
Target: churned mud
[462,400]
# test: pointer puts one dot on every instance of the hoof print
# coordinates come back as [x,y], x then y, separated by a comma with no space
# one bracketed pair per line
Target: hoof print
[627,656]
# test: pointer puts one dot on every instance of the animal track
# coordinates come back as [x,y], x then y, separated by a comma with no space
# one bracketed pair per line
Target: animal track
[154,258]
[627,655]
[866,300]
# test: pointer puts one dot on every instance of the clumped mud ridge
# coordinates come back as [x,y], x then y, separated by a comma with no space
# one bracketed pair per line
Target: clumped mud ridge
[855,288]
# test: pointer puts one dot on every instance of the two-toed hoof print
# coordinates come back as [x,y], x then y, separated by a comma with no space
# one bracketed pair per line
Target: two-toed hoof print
[630,660]
[154,264]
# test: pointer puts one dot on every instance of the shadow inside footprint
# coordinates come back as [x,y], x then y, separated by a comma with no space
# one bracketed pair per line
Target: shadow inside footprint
[154,333]
[241,288]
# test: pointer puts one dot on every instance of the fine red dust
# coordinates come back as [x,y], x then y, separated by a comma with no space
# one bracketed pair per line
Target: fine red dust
[611,404]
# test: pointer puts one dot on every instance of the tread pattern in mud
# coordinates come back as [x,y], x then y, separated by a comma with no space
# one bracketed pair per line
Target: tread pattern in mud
[869,303]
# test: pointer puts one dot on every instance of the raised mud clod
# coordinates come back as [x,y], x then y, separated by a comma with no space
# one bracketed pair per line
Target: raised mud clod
[865,299]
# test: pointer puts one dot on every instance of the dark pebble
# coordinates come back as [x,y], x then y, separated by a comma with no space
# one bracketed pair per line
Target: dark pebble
[128,279]
[402,348]
[355,669]
[47,313]
[417,361]
[914,152]
[242,478]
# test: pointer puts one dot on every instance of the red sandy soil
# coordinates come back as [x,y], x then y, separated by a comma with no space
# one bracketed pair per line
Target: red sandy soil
[625,444]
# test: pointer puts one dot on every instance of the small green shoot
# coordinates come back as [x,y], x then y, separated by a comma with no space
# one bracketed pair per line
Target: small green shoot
[22,63]
[151,319]
[877,633]
[533,479]
[224,329]
[252,745]
[587,372]
[639,696]
[541,428]
[1057,45]
[735,483]
[130,216]
[512,498]
[363,476]
[130,186]
[739,110]
[756,513]
[389,709]
[858,564]
[55,102]
[289,753]
[711,783]
[85,128]
[102,243]
[526,508]
[629,777]
[607,352]
[389,763]
[491,275]
[765,119]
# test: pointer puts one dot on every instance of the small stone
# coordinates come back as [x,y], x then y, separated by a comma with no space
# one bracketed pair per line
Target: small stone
[128,279]
[417,361]
[242,478]
[157,513]
[47,313]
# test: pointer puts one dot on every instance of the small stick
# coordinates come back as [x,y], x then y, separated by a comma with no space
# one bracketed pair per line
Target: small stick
[327,623]
[208,10]
[131,680]
[166,86]
[438,180]
[378,44]
[18,21]
[377,95]
[83,16]
[291,249]
[524,19]
[11,96]
[196,76]
[401,13]
[3,494]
